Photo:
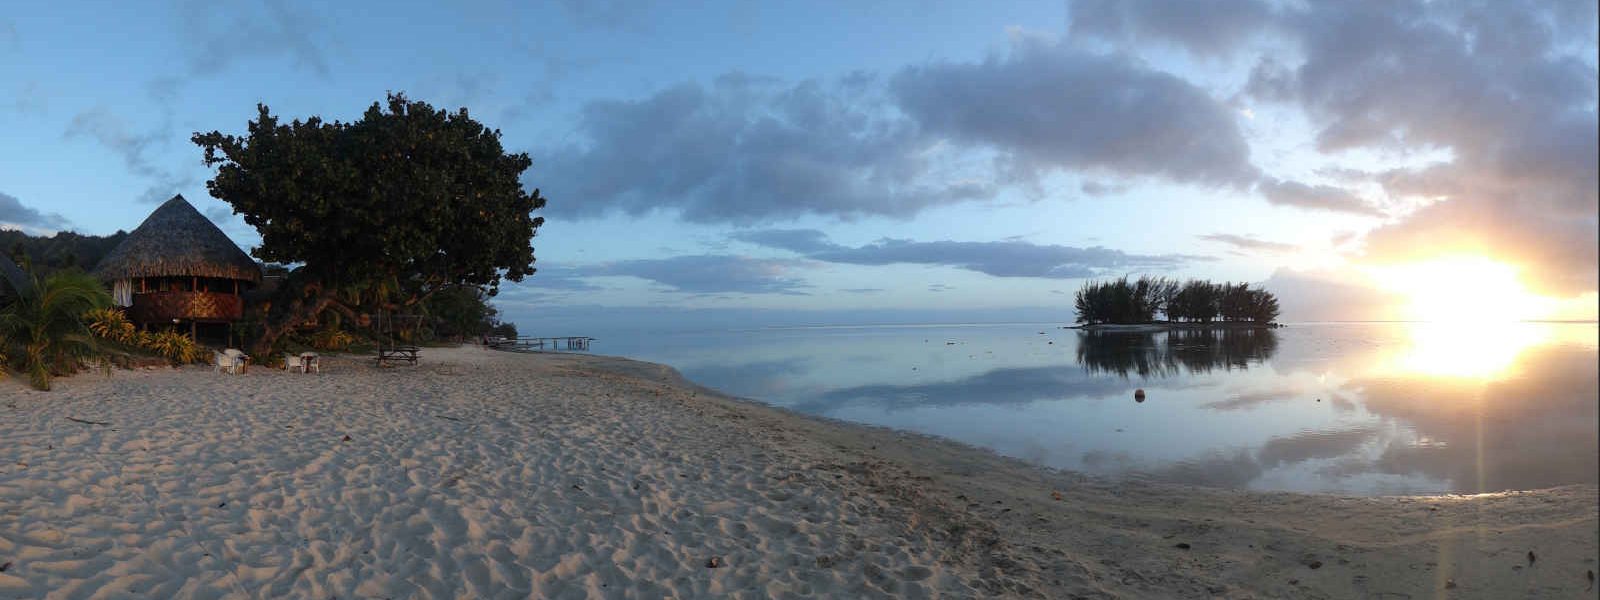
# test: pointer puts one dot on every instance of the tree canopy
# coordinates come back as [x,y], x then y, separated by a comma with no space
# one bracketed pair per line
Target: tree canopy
[380,213]
[63,251]
[1138,301]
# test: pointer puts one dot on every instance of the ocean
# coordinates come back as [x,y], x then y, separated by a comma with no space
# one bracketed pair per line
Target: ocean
[1348,408]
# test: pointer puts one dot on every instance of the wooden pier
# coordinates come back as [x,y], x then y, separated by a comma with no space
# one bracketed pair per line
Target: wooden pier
[557,344]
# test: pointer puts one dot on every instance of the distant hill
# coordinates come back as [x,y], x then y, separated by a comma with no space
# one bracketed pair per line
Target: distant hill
[63,250]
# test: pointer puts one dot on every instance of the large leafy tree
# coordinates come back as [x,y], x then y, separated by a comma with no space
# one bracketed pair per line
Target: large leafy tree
[380,213]
[459,313]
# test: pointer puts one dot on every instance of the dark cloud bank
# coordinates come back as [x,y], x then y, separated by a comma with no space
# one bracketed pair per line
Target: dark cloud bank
[13,212]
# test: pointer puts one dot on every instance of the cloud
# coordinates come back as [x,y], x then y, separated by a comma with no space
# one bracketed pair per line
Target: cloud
[1504,91]
[734,274]
[30,99]
[632,321]
[105,127]
[1558,253]
[803,241]
[608,14]
[1331,295]
[709,274]
[1012,258]
[747,150]
[1317,197]
[560,278]
[9,38]
[219,215]
[1047,107]
[1507,89]
[1245,242]
[14,212]
[1203,28]
[219,34]
[1096,188]
[111,131]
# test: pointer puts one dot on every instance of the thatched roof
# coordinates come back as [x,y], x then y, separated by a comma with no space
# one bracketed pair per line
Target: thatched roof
[176,240]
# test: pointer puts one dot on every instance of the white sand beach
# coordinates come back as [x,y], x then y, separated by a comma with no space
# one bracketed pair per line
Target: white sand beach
[482,474]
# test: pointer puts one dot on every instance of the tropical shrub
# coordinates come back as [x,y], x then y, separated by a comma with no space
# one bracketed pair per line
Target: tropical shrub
[332,339]
[112,324]
[43,332]
[176,347]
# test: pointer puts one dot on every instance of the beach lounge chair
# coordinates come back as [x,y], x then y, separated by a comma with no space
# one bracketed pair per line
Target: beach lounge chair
[292,362]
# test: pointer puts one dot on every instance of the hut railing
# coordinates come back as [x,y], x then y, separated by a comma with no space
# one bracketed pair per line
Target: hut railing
[152,307]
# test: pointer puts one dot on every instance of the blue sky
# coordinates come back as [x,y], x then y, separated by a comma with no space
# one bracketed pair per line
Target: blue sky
[914,156]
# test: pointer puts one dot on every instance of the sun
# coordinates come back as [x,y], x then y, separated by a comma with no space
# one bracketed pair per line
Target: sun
[1462,288]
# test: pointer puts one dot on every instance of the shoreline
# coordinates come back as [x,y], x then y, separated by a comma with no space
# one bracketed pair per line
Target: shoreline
[661,474]
[953,470]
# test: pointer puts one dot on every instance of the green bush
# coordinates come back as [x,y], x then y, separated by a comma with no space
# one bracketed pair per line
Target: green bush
[173,346]
[43,332]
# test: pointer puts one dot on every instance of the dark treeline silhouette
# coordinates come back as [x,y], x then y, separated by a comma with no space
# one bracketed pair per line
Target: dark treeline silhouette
[65,250]
[1138,301]
[1167,353]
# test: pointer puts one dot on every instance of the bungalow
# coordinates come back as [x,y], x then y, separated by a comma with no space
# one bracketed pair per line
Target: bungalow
[178,269]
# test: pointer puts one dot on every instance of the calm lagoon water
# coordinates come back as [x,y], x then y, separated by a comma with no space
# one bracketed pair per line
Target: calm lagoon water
[1345,408]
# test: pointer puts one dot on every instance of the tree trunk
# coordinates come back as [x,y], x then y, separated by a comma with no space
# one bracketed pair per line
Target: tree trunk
[298,312]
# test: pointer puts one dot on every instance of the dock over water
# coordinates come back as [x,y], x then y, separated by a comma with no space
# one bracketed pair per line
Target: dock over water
[570,343]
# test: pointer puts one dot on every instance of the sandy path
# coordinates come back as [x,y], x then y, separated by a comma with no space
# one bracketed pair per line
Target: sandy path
[483,474]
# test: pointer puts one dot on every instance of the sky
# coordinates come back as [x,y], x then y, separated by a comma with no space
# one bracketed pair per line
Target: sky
[786,163]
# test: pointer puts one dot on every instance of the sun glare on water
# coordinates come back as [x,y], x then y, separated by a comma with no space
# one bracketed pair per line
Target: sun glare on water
[1467,308]
[1476,352]
[1458,289]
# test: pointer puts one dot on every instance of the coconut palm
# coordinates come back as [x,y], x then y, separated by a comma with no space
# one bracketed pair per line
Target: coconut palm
[43,330]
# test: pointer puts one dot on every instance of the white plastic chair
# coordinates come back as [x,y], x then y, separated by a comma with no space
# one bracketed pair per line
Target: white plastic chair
[309,363]
[292,362]
[240,359]
[224,363]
